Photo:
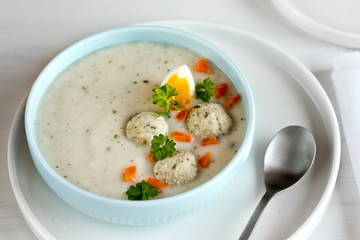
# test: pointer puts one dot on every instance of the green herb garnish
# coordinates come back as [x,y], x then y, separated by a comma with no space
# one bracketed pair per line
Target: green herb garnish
[205,90]
[162,147]
[164,97]
[142,191]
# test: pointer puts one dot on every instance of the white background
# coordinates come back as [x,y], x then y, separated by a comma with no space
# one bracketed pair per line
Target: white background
[33,32]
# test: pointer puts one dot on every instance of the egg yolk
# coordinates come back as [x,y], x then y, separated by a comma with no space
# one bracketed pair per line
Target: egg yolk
[182,87]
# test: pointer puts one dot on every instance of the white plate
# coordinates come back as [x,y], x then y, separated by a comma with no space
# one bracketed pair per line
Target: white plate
[335,21]
[285,92]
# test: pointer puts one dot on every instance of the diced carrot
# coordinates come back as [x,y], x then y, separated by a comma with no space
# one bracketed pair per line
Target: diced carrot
[181,137]
[204,161]
[232,101]
[129,174]
[221,90]
[156,183]
[181,116]
[151,158]
[202,66]
[209,141]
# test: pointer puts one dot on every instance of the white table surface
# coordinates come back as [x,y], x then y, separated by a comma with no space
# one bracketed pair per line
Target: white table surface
[33,32]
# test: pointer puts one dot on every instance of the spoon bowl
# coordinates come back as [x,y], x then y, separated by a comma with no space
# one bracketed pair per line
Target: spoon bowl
[288,157]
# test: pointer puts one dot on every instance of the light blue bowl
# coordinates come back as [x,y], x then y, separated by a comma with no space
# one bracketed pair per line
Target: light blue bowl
[138,212]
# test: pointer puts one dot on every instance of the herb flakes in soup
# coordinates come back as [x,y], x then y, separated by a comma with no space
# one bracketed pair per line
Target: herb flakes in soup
[82,121]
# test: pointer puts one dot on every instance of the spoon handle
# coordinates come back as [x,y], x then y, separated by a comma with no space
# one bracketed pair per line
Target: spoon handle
[255,216]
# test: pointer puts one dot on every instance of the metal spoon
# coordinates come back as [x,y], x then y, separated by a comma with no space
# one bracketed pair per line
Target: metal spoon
[288,157]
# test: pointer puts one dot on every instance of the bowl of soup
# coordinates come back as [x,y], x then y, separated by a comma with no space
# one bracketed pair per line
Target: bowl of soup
[140,125]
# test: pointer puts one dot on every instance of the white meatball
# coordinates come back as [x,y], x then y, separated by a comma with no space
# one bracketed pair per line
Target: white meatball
[208,119]
[144,126]
[176,170]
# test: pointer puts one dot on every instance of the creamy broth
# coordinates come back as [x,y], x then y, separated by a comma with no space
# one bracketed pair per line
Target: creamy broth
[81,121]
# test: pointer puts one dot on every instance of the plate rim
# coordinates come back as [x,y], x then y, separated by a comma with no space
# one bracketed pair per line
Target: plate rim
[34,224]
[316,28]
[316,214]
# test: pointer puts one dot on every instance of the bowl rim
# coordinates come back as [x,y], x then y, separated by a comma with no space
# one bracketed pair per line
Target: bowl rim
[243,150]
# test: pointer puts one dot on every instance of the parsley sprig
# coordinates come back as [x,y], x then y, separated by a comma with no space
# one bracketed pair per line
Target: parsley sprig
[142,191]
[164,97]
[162,147]
[205,90]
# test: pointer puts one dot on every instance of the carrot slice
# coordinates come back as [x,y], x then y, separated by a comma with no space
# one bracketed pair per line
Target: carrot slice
[232,101]
[181,116]
[129,174]
[221,90]
[202,66]
[151,158]
[156,183]
[209,141]
[181,137]
[204,161]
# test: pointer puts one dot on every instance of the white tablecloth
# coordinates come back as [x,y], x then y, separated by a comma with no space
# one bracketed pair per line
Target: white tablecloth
[33,32]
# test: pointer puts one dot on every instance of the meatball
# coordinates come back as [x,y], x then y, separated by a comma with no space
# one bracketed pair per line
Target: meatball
[176,170]
[208,119]
[144,126]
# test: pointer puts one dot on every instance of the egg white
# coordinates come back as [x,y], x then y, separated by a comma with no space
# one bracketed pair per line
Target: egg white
[182,71]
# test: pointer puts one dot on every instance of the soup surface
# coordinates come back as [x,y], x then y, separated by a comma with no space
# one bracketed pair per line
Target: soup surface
[81,121]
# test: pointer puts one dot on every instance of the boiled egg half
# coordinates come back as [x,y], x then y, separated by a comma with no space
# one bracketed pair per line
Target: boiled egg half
[182,80]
